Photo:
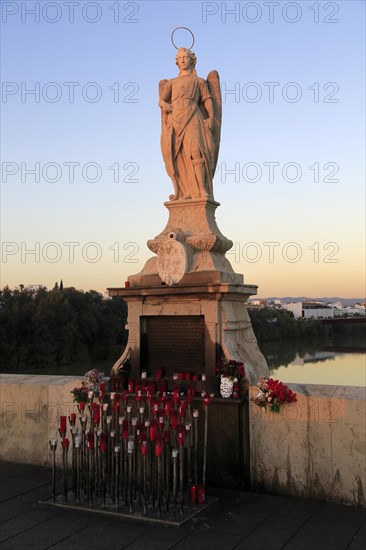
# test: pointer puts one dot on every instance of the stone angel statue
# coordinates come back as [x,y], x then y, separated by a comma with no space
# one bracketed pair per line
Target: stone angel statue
[191,111]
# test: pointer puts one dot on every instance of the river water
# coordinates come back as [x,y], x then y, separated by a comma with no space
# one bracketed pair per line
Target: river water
[343,364]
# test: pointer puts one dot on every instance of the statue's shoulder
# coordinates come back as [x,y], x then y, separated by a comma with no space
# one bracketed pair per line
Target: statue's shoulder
[165,82]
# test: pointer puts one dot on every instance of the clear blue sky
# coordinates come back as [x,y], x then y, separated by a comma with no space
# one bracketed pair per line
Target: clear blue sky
[296,71]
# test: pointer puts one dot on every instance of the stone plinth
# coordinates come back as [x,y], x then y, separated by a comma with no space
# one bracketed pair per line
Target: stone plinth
[227,326]
[198,256]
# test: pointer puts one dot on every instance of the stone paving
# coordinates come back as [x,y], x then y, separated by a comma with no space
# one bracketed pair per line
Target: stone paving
[237,520]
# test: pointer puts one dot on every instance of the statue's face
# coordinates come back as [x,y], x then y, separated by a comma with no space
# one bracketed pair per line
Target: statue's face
[184,60]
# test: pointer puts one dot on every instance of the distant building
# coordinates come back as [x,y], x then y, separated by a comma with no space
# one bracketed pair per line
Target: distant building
[310,309]
[258,303]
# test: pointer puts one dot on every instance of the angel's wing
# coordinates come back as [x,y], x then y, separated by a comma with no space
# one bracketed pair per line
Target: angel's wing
[213,83]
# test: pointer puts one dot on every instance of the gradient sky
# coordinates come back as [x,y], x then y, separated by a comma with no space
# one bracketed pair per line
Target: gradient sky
[311,51]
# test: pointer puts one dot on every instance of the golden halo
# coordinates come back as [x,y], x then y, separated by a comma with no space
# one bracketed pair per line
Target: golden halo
[172,39]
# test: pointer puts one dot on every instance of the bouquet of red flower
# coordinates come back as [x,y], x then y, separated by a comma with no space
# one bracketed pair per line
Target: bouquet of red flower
[230,369]
[273,394]
[80,394]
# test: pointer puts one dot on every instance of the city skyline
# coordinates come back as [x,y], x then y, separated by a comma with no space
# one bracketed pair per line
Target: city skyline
[83,180]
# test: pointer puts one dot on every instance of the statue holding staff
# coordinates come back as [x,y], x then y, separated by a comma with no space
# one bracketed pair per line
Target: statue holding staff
[191,127]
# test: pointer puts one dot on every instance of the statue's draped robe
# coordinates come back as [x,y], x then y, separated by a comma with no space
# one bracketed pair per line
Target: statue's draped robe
[184,133]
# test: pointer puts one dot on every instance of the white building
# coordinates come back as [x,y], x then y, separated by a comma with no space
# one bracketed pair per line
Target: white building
[307,310]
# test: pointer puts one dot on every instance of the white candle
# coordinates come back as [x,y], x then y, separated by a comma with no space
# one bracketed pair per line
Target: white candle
[195,413]
[129,408]
[144,374]
[175,376]
[174,453]
[203,377]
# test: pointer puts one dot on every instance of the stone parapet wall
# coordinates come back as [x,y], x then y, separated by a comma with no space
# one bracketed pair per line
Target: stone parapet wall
[315,448]
[30,409]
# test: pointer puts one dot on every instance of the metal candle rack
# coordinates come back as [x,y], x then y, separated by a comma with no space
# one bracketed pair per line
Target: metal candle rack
[135,451]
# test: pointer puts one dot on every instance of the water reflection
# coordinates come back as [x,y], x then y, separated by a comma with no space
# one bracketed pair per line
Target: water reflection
[314,362]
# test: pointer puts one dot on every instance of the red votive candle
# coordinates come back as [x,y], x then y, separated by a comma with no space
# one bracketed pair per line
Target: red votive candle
[131,386]
[175,395]
[158,449]
[90,441]
[72,419]
[144,448]
[82,406]
[158,374]
[187,375]
[102,390]
[152,430]
[103,442]
[62,424]
[65,443]
[124,429]
[206,402]
[155,407]
[193,494]
[162,387]
[161,418]
[195,377]
[174,419]
[166,436]
[127,284]
[180,375]
[168,406]
[182,407]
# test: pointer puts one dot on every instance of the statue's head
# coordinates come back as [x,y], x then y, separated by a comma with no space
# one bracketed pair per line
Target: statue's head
[185,58]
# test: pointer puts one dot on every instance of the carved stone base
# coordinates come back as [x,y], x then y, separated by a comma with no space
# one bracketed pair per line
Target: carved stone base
[198,254]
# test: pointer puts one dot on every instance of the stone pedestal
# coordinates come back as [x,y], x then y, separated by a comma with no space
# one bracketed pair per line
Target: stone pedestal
[190,250]
[226,329]
[186,310]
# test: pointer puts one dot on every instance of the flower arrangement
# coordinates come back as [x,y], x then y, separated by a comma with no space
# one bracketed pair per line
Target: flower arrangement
[80,394]
[93,376]
[90,382]
[273,394]
[229,368]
